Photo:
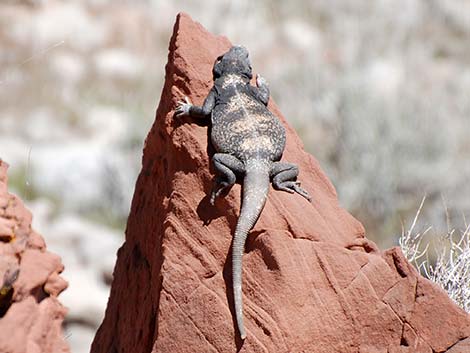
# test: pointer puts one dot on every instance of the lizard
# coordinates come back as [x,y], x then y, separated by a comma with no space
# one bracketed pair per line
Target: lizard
[249,141]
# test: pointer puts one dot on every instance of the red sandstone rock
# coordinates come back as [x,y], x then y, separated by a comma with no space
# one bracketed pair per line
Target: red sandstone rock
[30,314]
[311,281]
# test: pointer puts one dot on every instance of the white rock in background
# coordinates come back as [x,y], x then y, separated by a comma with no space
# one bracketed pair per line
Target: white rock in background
[86,297]
[79,337]
[42,210]
[38,127]
[302,35]
[118,63]
[97,3]
[69,67]
[71,171]
[81,243]
[14,151]
[11,77]
[106,124]
[384,77]
[95,244]
[70,22]
[84,175]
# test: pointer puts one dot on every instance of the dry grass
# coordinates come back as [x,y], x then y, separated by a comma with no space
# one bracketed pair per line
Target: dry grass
[450,266]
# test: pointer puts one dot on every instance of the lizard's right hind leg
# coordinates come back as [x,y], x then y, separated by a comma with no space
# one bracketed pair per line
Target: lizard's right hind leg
[284,177]
[227,168]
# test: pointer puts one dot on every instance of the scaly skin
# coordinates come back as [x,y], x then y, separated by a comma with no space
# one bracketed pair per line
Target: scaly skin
[249,141]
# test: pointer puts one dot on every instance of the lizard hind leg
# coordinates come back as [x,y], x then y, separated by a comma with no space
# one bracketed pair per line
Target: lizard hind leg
[284,177]
[227,168]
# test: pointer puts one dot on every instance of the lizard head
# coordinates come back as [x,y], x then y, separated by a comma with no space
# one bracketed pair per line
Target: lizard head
[233,62]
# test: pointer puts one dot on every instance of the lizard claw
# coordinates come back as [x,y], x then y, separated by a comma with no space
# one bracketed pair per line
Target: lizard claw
[217,190]
[182,109]
[212,199]
[301,191]
[294,186]
[260,81]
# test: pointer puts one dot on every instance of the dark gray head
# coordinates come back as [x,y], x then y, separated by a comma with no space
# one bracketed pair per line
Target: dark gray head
[235,61]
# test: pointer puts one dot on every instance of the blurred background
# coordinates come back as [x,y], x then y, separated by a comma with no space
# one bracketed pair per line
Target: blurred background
[378,91]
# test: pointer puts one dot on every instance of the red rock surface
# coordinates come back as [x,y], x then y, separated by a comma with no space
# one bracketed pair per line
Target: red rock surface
[311,281]
[30,314]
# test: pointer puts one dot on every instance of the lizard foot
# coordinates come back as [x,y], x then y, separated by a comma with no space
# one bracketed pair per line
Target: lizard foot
[260,81]
[294,186]
[217,190]
[182,109]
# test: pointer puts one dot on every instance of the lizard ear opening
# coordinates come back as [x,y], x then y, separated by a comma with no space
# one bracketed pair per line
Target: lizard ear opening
[217,70]
[248,71]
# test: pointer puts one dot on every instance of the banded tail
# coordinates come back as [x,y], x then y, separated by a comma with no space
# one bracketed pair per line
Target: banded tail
[255,192]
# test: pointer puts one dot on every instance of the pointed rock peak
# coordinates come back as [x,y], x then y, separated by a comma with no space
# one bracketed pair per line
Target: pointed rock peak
[312,281]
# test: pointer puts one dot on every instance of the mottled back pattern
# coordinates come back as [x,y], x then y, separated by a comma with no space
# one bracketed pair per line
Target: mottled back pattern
[241,123]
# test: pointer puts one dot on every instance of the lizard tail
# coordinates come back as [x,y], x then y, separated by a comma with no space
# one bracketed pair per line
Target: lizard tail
[255,192]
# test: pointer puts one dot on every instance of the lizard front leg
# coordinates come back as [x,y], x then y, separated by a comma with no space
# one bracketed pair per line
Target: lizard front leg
[263,89]
[284,177]
[227,168]
[186,108]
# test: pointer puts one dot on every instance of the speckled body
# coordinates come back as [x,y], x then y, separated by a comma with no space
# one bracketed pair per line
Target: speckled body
[249,140]
[242,125]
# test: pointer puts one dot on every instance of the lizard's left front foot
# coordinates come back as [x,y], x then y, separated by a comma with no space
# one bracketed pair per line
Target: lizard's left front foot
[183,108]
[260,81]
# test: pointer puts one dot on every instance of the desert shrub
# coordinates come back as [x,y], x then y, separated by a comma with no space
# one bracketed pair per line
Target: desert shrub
[449,266]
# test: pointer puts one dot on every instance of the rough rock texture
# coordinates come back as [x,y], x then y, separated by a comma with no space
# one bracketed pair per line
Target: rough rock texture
[312,282]
[30,314]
